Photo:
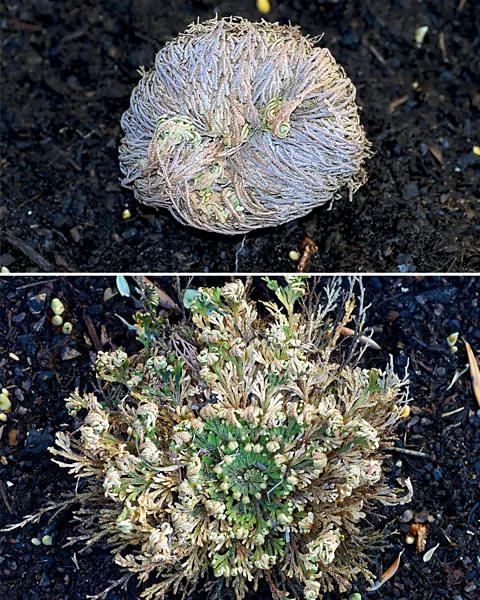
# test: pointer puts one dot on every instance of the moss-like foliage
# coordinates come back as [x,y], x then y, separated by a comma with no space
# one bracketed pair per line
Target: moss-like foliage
[240,447]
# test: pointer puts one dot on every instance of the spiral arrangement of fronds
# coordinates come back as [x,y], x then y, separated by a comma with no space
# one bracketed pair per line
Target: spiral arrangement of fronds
[242,125]
[236,447]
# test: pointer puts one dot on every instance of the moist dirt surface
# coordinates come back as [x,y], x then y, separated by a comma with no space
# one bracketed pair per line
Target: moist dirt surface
[411,319]
[69,68]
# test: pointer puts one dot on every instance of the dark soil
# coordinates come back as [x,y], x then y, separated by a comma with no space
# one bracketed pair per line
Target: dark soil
[411,318]
[69,68]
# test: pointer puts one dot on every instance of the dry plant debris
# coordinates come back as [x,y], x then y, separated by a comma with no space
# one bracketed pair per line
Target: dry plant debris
[388,574]
[308,248]
[236,446]
[242,125]
[474,372]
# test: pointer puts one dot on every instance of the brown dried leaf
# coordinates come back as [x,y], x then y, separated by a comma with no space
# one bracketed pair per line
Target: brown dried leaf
[164,299]
[389,573]
[474,371]
[364,340]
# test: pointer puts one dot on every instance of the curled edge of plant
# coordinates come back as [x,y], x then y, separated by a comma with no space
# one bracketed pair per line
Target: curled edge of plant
[237,445]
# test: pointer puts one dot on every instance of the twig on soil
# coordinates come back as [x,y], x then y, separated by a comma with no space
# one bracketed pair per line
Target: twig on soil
[92,332]
[4,497]
[452,426]
[29,285]
[452,412]
[411,452]
[32,254]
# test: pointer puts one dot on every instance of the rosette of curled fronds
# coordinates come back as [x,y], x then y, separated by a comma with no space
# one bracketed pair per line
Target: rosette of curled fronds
[242,125]
[259,460]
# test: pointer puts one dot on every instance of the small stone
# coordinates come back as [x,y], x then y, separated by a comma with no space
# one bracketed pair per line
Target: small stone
[75,235]
[58,220]
[37,441]
[36,542]
[46,375]
[406,517]
[67,353]
[421,517]
[410,191]
[44,580]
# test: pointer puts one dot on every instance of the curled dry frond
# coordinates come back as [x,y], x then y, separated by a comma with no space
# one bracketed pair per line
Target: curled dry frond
[242,125]
[249,451]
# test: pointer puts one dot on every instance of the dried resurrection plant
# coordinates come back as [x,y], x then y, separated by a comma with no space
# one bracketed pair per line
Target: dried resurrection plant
[242,125]
[237,447]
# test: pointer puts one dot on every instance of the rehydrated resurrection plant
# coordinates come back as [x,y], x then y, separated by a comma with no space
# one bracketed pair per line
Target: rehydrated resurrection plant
[242,125]
[237,446]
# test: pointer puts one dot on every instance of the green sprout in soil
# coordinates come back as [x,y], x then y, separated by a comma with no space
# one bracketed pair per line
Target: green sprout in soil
[243,443]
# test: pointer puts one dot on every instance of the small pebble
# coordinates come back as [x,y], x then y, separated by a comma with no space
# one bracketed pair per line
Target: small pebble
[37,303]
[36,542]
[406,517]
[126,214]
[47,540]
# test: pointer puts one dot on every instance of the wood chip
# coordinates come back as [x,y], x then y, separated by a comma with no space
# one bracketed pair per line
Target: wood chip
[92,332]
[32,254]
[436,152]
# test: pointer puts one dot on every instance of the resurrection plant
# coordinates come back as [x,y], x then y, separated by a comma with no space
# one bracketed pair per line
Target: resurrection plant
[242,125]
[239,444]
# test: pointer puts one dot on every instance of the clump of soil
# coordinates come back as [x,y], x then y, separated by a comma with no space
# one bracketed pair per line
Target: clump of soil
[69,69]
[411,319]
